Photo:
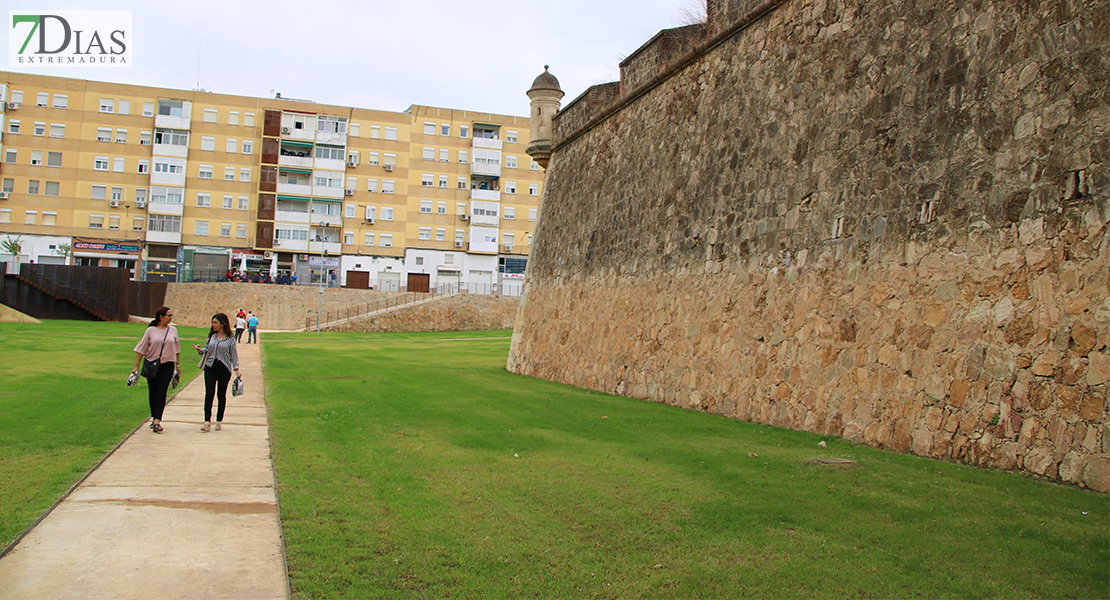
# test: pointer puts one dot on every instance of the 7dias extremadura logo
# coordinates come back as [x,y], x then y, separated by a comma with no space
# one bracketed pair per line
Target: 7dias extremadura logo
[69,38]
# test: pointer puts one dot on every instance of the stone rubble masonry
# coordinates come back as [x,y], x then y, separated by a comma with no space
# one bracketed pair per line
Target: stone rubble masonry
[463,312]
[883,221]
[279,307]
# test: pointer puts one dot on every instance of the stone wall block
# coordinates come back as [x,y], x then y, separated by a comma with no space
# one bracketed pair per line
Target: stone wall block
[1098,368]
[1093,407]
[1096,475]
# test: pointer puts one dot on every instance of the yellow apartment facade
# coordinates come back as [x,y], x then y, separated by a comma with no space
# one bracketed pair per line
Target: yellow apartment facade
[186,185]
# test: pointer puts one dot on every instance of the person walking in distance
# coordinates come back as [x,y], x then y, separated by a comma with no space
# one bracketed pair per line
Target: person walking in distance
[159,342]
[240,325]
[221,358]
[252,328]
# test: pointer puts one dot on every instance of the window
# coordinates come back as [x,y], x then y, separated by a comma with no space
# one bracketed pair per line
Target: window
[144,166]
[292,234]
[52,188]
[103,134]
[225,229]
[42,99]
[488,209]
[386,240]
[57,130]
[5,215]
[245,174]
[201,228]
[107,105]
[354,130]
[532,212]
[463,131]
[375,132]
[13,126]
[118,163]
[9,185]
[533,189]
[61,100]
[241,231]
[429,153]
[443,155]
[124,107]
[248,120]
[229,173]
[40,128]
[387,213]
[164,223]
[441,234]
[426,207]
[389,160]
[162,165]
[96,221]
[49,218]
[510,161]
[441,208]
[368,240]
[173,137]
[204,172]
[167,195]
[509,239]
[100,163]
[510,212]
[371,185]
[329,124]
[229,200]
[329,152]
[350,211]
[210,115]
[510,136]
[10,155]
[348,237]
[204,200]
[372,159]
[117,193]
[33,187]
[53,159]
[460,208]
[510,187]
[535,166]
[232,146]
[445,129]
[248,146]
[462,157]
[425,180]
[140,195]
[370,212]
[244,203]
[387,187]
[17,96]
[429,128]
[137,223]
[113,222]
[391,133]
[121,136]
[443,181]
[144,138]
[148,109]
[462,183]
[425,233]
[352,158]
[171,108]
[232,117]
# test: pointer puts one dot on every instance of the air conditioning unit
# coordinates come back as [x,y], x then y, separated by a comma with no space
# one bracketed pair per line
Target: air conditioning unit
[5,195]
[285,130]
[277,242]
[267,255]
[388,167]
[14,105]
[113,203]
[458,244]
[369,220]
[508,247]
[304,257]
[352,163]
[464,217]
[350,192]
[140,203]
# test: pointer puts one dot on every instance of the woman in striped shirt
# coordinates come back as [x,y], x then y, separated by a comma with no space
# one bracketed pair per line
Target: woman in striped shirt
[220,358]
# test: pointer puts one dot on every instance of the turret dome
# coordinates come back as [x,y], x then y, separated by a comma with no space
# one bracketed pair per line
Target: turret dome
[546,81]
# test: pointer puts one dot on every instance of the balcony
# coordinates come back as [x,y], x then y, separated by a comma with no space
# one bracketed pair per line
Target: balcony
[170,150]
[291,245]
[290,130]
[323,191]
[165,208]
[487,220]
[295,161]
[483,168]
[489,195]
[294,189]
[171,121]
[330,164]
[333,248]
[329,137]
[170,179]
[164,237]
[491,143]
[291,217]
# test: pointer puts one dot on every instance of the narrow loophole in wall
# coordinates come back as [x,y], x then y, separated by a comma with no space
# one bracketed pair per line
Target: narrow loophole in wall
[928,213]
[1076,185]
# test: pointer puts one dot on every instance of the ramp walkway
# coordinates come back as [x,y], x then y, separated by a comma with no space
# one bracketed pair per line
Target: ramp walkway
[366,315]
[181,514]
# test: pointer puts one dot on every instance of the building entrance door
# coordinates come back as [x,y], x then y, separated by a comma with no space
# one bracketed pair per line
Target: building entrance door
[418,282]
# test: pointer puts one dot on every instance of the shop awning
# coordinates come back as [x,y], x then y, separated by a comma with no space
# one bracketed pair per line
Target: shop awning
[293,198]
[301,144]
[293,170]
[333,200]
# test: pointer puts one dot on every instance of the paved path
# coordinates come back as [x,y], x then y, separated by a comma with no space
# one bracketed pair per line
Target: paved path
[183,514]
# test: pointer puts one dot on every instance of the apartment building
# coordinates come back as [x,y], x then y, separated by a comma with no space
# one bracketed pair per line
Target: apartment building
[184,185]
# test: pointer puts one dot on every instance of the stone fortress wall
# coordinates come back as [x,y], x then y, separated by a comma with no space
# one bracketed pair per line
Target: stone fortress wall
[883,221]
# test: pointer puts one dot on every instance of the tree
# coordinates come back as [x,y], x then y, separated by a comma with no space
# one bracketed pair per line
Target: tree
[12,246]
[64,250]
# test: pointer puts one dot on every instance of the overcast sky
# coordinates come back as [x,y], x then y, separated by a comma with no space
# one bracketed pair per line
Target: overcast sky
[378,54]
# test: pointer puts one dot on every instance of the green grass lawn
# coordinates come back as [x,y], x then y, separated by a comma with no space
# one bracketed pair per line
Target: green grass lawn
[64,404]
[415,465]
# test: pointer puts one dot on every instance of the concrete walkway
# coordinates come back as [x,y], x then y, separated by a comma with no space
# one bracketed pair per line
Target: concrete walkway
[182,514]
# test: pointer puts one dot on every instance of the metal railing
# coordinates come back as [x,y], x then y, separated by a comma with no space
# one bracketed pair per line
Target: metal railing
[358,310]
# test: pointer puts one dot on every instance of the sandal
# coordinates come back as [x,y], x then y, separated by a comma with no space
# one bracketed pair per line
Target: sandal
[156,427]
[205,428]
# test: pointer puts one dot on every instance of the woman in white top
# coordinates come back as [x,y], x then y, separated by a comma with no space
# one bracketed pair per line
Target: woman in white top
[240,325]
[159,342]
[221,357]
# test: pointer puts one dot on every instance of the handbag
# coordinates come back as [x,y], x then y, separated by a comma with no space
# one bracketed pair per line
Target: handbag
[237,386]
[150,367]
